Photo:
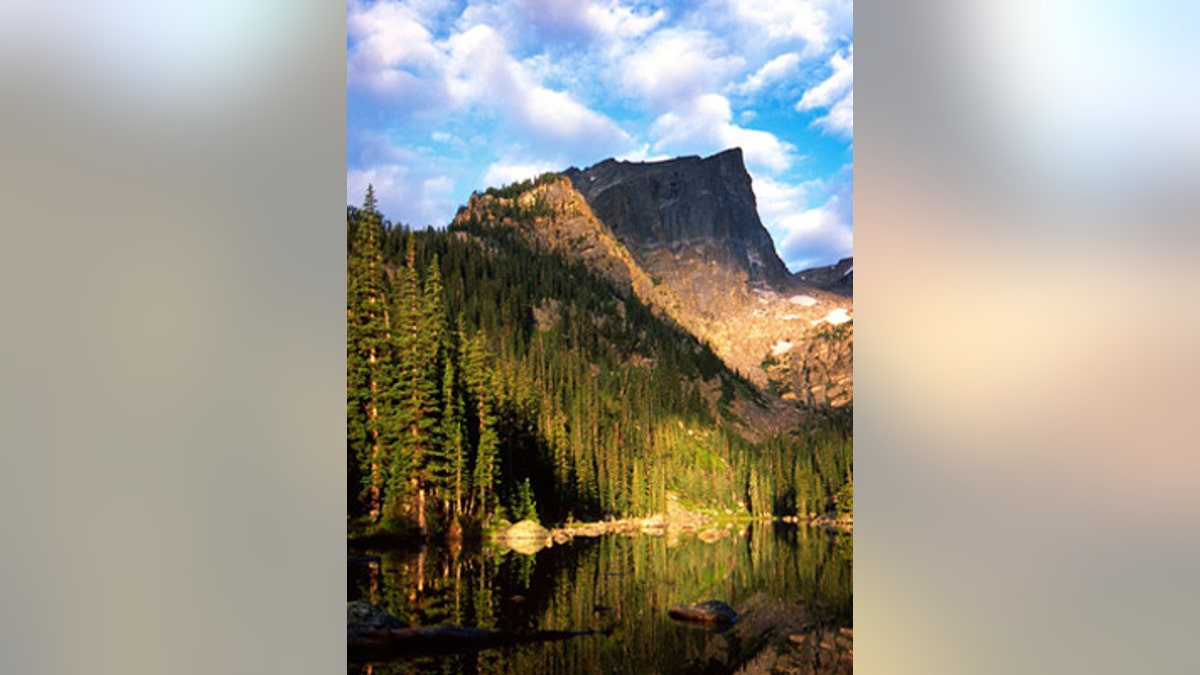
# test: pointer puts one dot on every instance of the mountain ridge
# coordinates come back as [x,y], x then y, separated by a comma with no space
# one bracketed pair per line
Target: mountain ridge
[685,237]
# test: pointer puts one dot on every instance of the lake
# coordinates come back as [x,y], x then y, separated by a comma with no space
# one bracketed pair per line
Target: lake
[791,585]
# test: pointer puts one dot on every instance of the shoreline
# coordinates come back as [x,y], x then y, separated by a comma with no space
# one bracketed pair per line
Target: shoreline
[530,536]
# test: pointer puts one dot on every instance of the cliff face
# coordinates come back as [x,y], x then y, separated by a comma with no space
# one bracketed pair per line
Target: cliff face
[688,209]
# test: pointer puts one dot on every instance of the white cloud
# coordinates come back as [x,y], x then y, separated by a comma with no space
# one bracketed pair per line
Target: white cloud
[496,92]
[585,20]
[704,125]
[392,53]
[395,57]
[813,23]
[832,88]
[773,71]
[840,119]
[674,66]
[835,94]
[483,74]
[811,223]
[776,200]
[404,194]
[507,171]
[818,235]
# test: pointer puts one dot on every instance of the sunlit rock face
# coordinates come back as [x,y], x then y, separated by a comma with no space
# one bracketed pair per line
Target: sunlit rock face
[692,225]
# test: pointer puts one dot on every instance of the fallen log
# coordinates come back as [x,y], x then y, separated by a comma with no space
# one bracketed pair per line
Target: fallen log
[403,642]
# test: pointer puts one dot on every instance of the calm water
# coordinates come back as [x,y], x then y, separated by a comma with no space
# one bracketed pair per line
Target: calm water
[784,580]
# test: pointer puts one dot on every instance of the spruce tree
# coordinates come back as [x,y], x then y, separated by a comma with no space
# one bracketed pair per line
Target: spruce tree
[366,335]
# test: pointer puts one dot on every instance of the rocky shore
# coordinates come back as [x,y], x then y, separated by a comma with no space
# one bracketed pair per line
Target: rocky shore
[529,537]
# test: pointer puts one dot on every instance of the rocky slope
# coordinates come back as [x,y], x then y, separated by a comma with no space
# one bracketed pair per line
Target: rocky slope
[692,224]
[685,236]
[837,278]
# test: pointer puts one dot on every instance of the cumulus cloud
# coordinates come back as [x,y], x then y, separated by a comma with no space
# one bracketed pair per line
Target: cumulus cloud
[834,87]
[450,97]
[704,124]
[840,119]
[510,170]
[811,223]
[394,56]
[675,66]
[835,94]
[392,53]
[773,71]
[483,74]
[814,24]
[404,193]
[585,21]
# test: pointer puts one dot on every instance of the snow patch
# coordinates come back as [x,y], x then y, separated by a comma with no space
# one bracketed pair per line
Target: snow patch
[781,347]
[803,300]
[835,317]
[849,271]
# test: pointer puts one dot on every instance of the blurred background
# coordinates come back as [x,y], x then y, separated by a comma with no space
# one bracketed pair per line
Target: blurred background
[172,274]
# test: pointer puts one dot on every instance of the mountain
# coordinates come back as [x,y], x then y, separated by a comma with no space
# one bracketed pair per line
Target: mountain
[692,225]
[558,353]
[684,211]
[837,278]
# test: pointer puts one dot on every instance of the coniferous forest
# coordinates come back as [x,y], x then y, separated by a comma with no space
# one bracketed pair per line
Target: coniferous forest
[490,380]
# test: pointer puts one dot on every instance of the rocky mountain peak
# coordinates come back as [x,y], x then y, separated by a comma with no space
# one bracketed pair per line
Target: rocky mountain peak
[690,207]
[684,236]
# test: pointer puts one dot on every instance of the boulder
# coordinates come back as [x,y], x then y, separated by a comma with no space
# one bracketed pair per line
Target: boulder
[707,612]
[526,537]
[363,618]
[526,529]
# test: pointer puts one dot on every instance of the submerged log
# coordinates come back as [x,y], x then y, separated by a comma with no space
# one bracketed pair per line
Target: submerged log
[373,634]
[401,642]
[711,612]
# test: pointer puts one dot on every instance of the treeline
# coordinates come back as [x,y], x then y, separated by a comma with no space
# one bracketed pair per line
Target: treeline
[514,190]
[489,379]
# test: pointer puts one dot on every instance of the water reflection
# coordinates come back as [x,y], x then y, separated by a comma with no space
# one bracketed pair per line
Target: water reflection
[791,585]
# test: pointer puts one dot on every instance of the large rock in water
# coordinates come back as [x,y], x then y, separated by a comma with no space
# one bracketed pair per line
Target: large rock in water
[707,612]
[526,537]
[363,618]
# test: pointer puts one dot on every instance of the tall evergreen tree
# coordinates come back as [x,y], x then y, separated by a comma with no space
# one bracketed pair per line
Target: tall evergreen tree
[366,336]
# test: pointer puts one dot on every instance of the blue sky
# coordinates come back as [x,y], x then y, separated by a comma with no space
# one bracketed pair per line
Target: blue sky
[448,97]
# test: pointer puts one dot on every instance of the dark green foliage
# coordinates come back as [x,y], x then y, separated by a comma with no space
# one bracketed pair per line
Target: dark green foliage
[602,411]
[524,506]
[514,190]
[366,338]
[845,497]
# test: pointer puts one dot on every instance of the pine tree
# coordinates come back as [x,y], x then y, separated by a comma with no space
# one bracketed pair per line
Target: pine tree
[412,392]
[478,375]
[450,473]
[366,334]
[438,383]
